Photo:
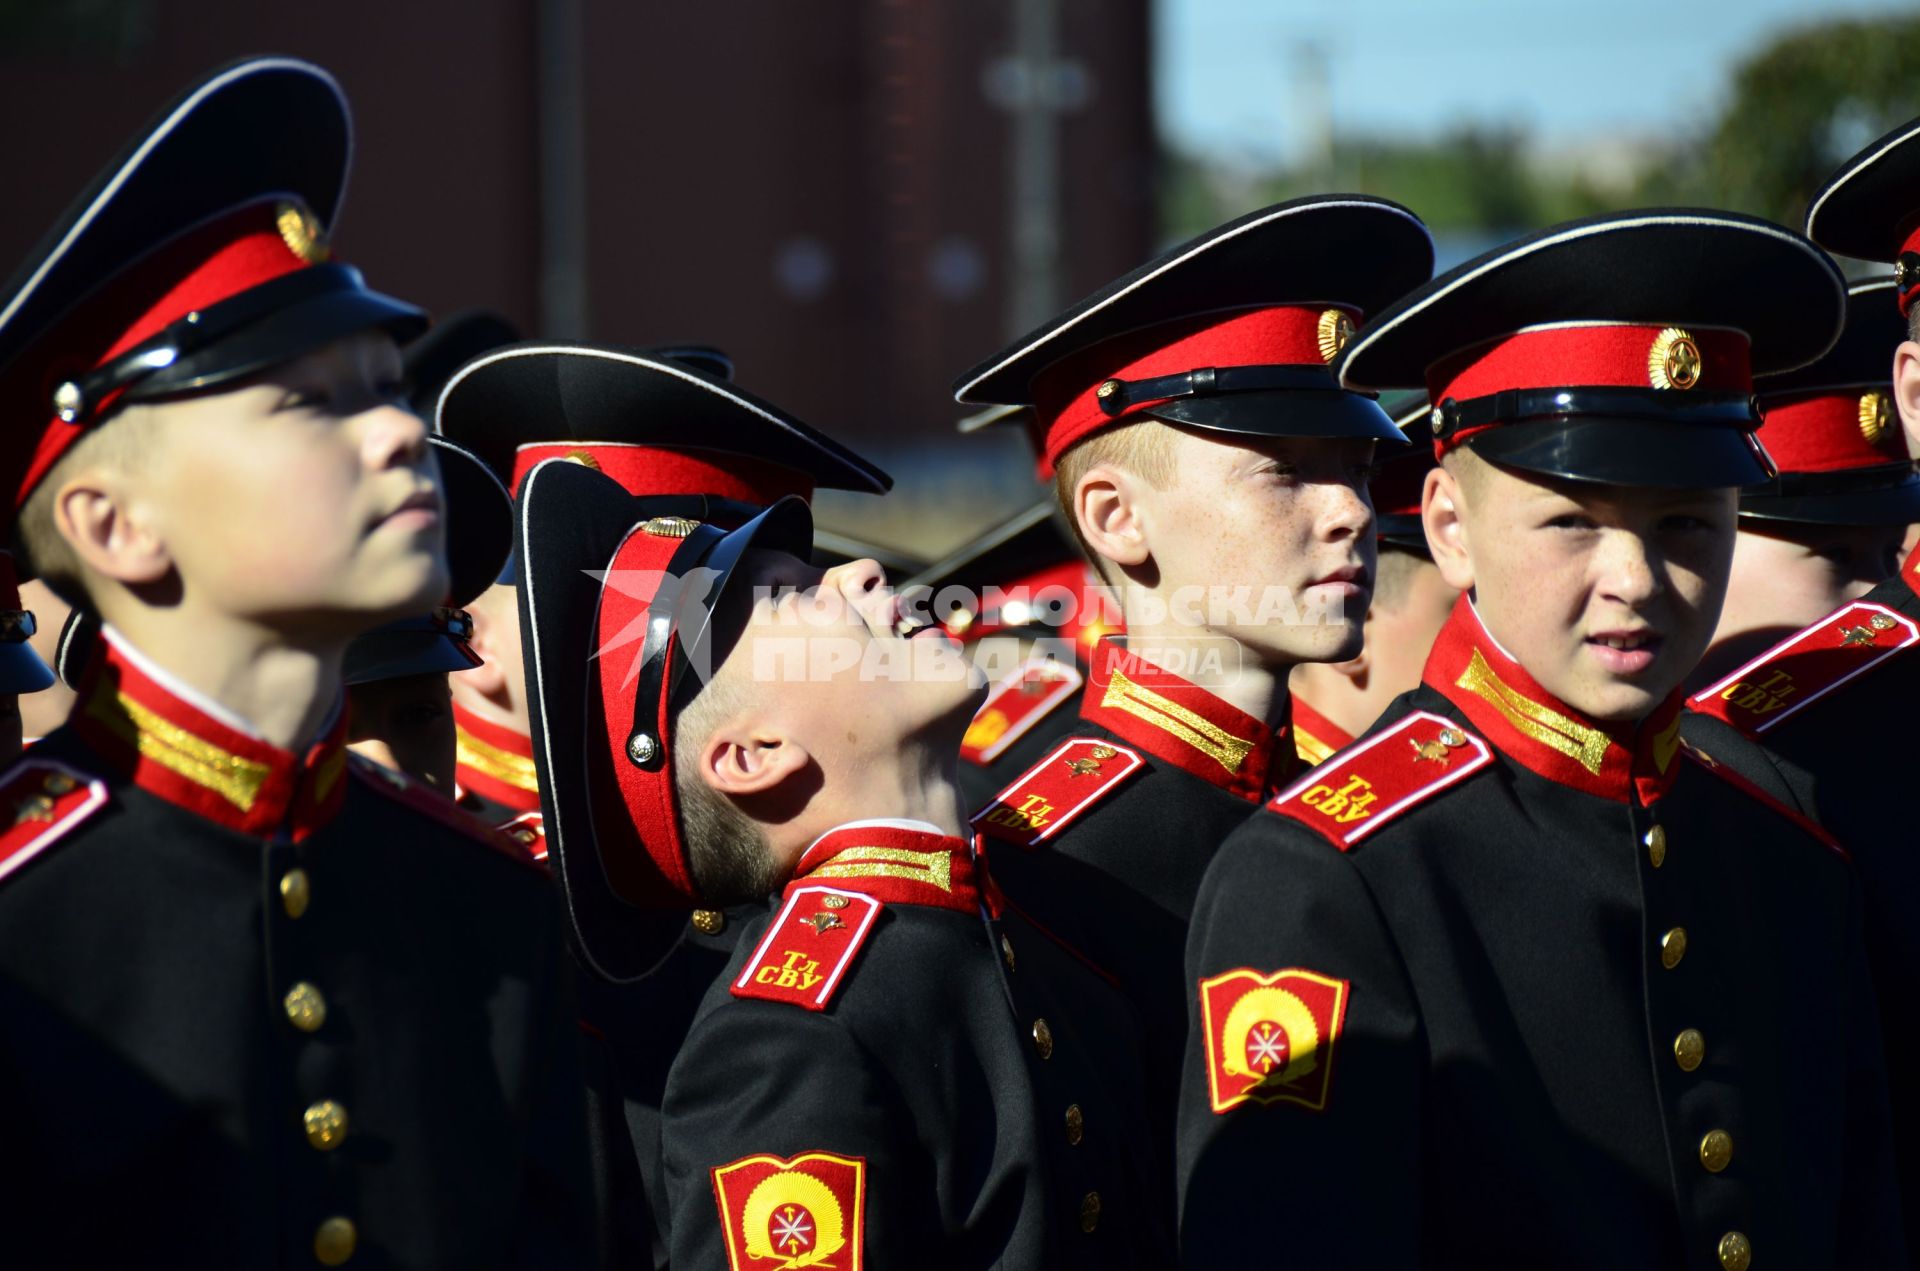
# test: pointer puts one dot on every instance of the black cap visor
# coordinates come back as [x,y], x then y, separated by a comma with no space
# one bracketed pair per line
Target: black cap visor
[1284,412]
[1627,451]
[1886,494]
[414,646]
[21,670]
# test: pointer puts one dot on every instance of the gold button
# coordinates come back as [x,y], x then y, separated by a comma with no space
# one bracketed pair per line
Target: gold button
[1043,1039]
[295,892]
[326,1123]
[1006,952]
[709,922]
[1656,842]
[305,1007]
[1689,1048]
[333,1241]
[1736,1253]
[1076,1124]
[1090,1211]
[1716,1151]
[1673,947]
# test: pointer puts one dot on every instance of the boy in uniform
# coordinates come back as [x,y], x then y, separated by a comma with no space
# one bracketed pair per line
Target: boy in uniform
[885,1072]
[1827,699]
[1518,959]
[283,1007]
[1217,475]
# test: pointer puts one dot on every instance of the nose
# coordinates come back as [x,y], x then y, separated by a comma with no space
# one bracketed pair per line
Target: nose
[1628,571]
[864,585]
[1347,511]
[393,436]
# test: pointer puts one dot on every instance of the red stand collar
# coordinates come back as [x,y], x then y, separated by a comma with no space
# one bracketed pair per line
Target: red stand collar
[898,862]
[1910,569]
[1315,737]
[495,762]
[145,728]
[1185,725]
[1626,763]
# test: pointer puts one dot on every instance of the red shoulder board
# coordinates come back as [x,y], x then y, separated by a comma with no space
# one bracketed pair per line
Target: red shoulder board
[529,830]
[806,952]
[1806,667]
[409,793]
[1365,786]
[1048,796]
[1807,825]
[1016,704]
[41,801]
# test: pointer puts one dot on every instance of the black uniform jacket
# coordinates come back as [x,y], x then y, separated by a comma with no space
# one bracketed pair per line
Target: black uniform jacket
[1104,836]
[260,1009]
[1497,987]
[886,1077]
[1828,701]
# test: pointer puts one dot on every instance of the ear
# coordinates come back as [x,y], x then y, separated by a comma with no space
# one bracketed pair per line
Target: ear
[1906,392]
[1443,513]
[747,757]
[1106,506]
[110,532]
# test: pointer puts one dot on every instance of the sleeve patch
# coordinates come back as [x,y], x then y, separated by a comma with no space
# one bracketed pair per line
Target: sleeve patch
[41,801]
[1016,704]
[1270,1038]
[1806,667]
[806,952]
[1047,797]
[1368,784]
[807,1211]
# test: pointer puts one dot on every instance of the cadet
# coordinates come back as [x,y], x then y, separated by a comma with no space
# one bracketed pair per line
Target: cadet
[674,428]
[1510,973]
[275,1003]
[1831,699]
[886,1073]
[1333,702]
[1217,474]
[1827,527]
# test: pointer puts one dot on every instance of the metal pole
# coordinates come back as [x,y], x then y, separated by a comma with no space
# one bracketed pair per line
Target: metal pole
[1034,279]
[560,107]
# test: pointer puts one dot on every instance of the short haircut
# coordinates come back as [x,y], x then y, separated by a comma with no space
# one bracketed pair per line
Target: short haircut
[123,444]
[1144,447]
[1913,323]
[1394,574]
[727,852]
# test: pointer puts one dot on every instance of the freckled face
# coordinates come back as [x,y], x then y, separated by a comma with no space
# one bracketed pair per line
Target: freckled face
[1254,515]
[1607,595]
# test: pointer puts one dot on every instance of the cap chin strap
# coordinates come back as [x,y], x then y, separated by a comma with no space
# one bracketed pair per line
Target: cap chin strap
[1526,405]
[1117,396]
[182,355]
[662,660]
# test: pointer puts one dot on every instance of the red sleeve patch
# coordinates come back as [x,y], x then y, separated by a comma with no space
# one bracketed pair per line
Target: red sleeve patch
[807,1211]
[1016,704]
[1367,785]
[41,802]
[1270,1038]
[1803,668]
[804,956]
[1048,796]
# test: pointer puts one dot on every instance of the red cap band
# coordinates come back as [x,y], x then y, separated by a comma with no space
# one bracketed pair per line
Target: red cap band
[1066,394]
[1833,432]
[214,262]
[1601,355]
[636,818]
[649,470]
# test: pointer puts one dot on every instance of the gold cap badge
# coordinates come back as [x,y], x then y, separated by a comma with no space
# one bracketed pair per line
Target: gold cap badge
[301,230]
[1876,417]
[1674,360]
[670,526]
[1335,329]
[582,457]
